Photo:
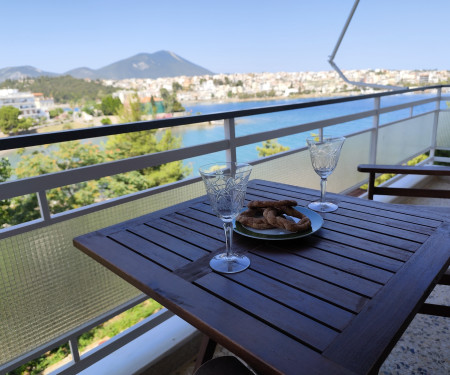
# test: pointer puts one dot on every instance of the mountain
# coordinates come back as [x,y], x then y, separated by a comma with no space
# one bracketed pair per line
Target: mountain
[154,65]
[143,65]
[81,73]
[20,72]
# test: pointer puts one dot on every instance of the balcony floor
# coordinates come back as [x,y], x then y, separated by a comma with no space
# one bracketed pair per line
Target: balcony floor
[438,182]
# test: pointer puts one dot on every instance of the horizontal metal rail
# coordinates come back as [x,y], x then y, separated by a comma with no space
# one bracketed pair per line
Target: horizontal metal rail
[72,176]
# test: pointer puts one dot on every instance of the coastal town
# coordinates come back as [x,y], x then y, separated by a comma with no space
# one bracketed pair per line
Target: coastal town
[222,87]
[232,87]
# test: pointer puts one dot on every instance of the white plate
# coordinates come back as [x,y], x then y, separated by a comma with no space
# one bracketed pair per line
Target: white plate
[281,234]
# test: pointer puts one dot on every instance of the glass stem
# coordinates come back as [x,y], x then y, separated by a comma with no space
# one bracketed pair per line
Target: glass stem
[228,227]
[323,189]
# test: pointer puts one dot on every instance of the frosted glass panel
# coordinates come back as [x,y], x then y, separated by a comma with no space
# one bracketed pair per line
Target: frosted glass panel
[296,169]
[443,133]
[48,287]
[355,151]
[404,139]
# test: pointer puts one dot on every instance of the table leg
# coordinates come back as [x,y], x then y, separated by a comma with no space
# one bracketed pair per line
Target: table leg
[206,351]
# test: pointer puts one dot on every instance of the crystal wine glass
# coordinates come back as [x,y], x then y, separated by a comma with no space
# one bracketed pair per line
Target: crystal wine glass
[226,184]
[324,157]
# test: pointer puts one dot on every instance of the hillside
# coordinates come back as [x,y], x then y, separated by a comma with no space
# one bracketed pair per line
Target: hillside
[63,89]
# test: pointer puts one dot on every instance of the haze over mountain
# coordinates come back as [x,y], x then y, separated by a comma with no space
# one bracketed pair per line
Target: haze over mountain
[143,65]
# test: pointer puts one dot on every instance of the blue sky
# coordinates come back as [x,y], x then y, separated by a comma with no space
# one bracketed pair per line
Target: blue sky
[226,36]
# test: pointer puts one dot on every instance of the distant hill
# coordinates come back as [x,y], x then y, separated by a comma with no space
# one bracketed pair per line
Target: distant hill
[21,72]
[81,73]
[151,65]
[144,65]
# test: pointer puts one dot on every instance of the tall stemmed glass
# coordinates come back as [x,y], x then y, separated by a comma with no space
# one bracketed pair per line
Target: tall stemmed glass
[226,184]
[324,157]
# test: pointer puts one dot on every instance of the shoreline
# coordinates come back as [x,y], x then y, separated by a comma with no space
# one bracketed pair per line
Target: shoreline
[237,100]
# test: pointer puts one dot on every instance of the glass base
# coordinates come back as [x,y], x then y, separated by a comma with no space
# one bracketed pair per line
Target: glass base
[236,263]
[323,206]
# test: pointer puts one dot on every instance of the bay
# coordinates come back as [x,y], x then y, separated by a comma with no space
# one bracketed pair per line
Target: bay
[260,123]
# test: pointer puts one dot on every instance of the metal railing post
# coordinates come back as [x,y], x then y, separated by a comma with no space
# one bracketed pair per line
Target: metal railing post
[435,123]
[230,135]
[43,205]
[374,133]
[73,344]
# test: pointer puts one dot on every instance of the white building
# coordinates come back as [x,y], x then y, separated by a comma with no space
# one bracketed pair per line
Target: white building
[24,101]
[43,103]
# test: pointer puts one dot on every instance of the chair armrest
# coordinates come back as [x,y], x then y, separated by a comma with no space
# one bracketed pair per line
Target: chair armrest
[436,170]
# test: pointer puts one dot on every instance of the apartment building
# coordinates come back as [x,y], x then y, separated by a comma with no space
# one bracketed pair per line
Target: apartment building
[24,101]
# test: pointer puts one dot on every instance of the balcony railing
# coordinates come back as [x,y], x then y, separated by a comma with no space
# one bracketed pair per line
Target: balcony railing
[51,293]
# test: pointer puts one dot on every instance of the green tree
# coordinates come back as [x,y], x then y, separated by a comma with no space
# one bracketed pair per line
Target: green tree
[154,108]
[55,112]
[63,89]
[176,87]
[68,155]
[131,111]
[10,122]
[110,106]
[167,100]
[170,102]
[9,118]
[106,121]
[89,109]
[5,204]
[141,143]
[271,147]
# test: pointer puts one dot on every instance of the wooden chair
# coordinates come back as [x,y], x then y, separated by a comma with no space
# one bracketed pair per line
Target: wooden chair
[373,169]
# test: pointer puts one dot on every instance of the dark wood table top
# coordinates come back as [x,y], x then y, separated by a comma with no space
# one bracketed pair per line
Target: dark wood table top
[331,303]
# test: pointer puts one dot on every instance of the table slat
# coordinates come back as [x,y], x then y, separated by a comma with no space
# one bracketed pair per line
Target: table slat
[321,271]
[295,325]
[313,307]
[176,245]
[309,284]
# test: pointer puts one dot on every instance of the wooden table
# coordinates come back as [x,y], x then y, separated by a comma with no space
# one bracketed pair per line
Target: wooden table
[331,303]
